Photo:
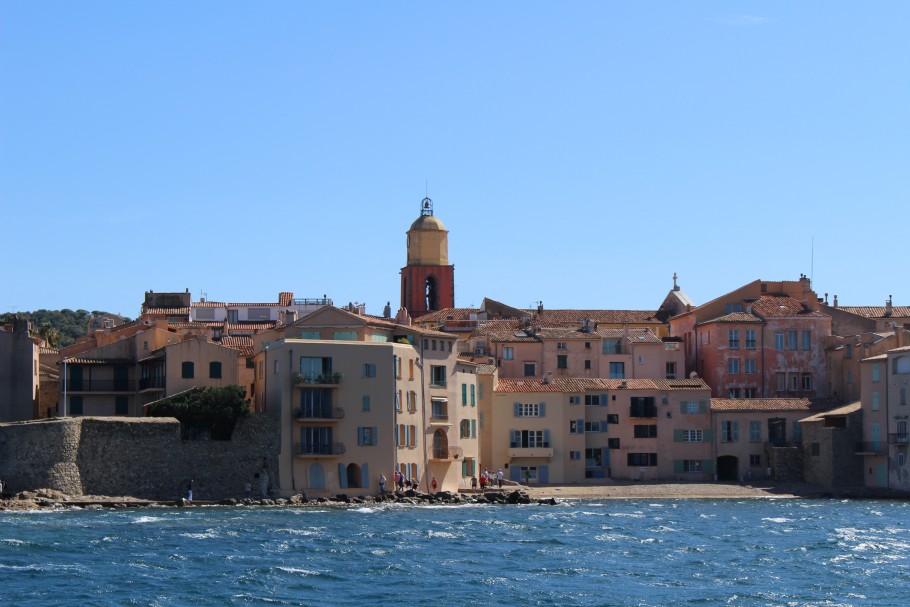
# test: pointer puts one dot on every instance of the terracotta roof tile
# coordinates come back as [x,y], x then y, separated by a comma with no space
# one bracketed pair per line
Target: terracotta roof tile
[844,410]
[877,311]
[604,316]
[761,404]
[781,306]
[486,369]
[580,384]
[168,311]
[239,342]
[734,317]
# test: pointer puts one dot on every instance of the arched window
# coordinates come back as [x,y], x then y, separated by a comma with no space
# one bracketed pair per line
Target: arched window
[431,293]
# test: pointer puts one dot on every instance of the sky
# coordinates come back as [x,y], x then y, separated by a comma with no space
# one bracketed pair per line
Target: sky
[579,153]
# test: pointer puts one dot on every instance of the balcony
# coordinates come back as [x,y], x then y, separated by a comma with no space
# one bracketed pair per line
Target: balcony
[318,450]
[870,448]
[446,453]
[151,384]
[323,379]
[322,414]
[439,418]
[102,385]
[542,450]
[899,439]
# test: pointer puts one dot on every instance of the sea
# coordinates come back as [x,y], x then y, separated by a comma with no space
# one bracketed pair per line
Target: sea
[780,552]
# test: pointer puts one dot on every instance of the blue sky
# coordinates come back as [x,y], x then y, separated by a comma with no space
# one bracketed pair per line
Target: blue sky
[579,153]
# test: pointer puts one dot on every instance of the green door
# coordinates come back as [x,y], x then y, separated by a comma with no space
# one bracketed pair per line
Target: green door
[880,477]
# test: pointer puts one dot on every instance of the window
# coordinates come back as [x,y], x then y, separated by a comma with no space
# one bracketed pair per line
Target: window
[733,366]
[560,345]
[750,339]
[529,439]
[612,443]
[902,430]
[592,400]
[439,410]
[187,370]
[530,369]
[412,402]
[344,335]
[645,431]
[750,367]
[693,407]
[612,346]
[642,459]
[779,340]
[464,395]
[903,396]
[729,432]
[643,406]
[587,345]
[613,418]
[574,455]
[398,401]
[876,404]
[807,382]
[901,365]
[754,432]
[473,428]
[692,436]
[807,340]
[396,360]
[365,402]
[369,369]
[733,338]
[671,370]
[465,428]
[755,460]
[733,307]
[692,465]
[781,382]
[592,426]
[508,353]
[750,393]
[529,410]
[473,397]
[617,371]
[875,372]
[366,437]
[215,370]
[816,449]
[315,369]
[791,340]
[232,316]
[575,400]
[848,351]
[736,393]
[438,376]
[849,377]
[587,364]
[576,426]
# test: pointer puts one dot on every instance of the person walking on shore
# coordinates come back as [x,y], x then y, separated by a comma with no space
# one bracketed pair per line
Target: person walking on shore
[433,484]
[499,478]
[381,483]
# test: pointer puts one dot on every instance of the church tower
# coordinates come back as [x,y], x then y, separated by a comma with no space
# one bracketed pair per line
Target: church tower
[428,281]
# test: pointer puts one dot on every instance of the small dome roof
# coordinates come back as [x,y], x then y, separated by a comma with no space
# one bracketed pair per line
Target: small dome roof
[428,223]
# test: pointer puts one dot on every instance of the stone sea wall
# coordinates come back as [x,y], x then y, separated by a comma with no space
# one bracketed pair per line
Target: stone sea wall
[143,457]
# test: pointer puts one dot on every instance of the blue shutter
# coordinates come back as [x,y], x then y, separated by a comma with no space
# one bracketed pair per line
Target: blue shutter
[517,405]
[543,474]
[543,409]
[606,456]
[365,476]
[546,438]
[464,467]
[604,399]
[342,476]
[473,399]
[473,428]
[375,436]
[514,437]
[515,473]
[579,426]
[359,437]
[603,425]
[735,432]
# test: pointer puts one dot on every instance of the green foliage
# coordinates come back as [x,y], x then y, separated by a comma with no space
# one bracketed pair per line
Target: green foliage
[213,409]
[59,328]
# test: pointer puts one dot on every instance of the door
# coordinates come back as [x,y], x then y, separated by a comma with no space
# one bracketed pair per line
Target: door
[75,378]
[121,379]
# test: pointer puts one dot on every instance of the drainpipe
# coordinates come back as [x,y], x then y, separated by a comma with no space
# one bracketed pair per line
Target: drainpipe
[291,411]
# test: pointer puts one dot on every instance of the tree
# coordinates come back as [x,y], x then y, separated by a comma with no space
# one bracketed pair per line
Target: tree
[213,410]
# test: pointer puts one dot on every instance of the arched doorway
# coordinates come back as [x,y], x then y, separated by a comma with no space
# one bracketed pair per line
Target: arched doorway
[728,468]
[440,444]
[353,474]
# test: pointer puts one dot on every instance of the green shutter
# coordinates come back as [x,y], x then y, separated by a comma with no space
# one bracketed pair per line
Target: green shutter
[464,395]
[708,466]
[708,435]
[677,465]
[543,409]
[735,432]
[682,406]
[375,436]
[678,435]
[702,406]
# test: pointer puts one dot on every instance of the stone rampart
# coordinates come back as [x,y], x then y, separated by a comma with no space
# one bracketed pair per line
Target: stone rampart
[143,457]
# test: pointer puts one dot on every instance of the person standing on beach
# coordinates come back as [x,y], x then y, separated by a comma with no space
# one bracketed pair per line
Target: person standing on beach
[499,478]
[381,483]
[189,491]
[473,483]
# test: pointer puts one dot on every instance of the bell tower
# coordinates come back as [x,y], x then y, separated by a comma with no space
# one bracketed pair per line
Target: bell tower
[428,280]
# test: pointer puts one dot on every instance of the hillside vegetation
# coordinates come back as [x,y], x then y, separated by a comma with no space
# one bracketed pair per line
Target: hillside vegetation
[59,328]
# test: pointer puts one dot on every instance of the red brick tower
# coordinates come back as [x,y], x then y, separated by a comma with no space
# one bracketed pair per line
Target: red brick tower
[428,281]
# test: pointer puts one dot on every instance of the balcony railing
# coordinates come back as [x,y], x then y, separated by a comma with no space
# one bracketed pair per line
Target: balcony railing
[517,445]
[446,453]
[320,449]
[321,379]
[899,439]
[439,418]
[102,385]
[870,447]
[151,383]
[327,413]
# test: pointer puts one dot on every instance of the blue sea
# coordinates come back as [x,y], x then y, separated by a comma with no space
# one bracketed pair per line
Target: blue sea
[784,552]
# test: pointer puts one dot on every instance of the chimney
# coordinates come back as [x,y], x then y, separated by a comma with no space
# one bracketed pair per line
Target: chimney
[387,310]
[835,300]
[889,309]
[540,307]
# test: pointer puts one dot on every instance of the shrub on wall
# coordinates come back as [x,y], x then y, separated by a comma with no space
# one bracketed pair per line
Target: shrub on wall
[213,410]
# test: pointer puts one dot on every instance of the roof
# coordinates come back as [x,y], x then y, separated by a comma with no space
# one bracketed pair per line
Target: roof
[782,306]
[97,361]
[428,222]
[239,342]
[734,317]
[600,316]
[877,311]
[440,316]
[581,384]
[845,410]
[486,369]
[761,404]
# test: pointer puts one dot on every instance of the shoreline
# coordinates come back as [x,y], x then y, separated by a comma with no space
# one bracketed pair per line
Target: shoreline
[43,499]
